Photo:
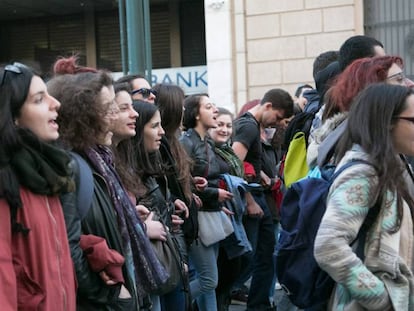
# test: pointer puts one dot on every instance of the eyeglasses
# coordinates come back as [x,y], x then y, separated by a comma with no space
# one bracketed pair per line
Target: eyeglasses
[398,76]
[144,92]
[409,119]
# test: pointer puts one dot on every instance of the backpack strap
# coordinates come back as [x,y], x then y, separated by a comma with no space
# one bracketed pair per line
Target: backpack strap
[84,184]
[327,147]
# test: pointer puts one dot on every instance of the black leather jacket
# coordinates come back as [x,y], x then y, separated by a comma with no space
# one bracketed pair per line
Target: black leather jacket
[158,199]
[100,220]
[205,165]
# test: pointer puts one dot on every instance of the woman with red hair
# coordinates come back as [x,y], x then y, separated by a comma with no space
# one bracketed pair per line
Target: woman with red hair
[348,84]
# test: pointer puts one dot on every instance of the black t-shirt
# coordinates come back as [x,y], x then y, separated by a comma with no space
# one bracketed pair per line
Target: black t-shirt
[247,132]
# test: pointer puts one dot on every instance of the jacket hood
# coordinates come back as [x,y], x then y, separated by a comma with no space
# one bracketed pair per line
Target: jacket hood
[320,134]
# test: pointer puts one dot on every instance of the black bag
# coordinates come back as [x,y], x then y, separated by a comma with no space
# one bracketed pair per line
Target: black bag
[190,225]
[169,255]
[302,122]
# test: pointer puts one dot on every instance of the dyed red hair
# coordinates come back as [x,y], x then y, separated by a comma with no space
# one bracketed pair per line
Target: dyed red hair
[355,78]
[69,65]
[247,106]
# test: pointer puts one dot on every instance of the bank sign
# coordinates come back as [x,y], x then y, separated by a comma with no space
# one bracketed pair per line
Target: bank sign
[192,79]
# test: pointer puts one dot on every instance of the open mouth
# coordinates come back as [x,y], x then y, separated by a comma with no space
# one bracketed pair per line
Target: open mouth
[131,125]
[53,123]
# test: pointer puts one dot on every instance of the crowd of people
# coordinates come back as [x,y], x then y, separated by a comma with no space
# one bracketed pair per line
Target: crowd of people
[119,195]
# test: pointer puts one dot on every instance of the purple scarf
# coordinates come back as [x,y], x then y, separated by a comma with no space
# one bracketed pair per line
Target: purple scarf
[140,259]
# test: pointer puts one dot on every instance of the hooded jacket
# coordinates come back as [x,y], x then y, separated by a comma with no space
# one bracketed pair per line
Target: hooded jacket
[319,135]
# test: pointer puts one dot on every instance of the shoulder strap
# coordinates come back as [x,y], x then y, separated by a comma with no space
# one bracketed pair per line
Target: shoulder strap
[84,184]
[327,147]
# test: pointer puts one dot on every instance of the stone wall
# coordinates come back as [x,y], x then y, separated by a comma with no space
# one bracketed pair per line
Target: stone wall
[283,38]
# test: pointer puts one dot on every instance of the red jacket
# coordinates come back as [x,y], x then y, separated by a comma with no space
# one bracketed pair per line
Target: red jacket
[36,271]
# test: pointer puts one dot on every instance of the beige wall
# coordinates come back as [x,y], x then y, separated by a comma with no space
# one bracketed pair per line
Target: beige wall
[274,42]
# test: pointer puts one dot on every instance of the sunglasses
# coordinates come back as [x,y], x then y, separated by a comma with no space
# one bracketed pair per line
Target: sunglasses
[15,68]
[144,92]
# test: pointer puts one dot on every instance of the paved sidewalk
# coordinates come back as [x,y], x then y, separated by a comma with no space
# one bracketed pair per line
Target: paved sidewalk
[240,307]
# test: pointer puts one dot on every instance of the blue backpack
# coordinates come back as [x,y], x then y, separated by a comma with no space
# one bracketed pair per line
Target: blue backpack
[303,207]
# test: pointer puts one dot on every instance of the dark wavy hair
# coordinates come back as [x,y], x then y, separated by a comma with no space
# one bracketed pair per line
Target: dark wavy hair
[355,78]
[145,163]
[370,123]
[81,116]
[123,153]
[191,110]
[14,89]
[170,102]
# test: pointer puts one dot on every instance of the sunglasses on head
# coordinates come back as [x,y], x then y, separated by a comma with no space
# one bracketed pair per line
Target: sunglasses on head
[15,68]
[144,92]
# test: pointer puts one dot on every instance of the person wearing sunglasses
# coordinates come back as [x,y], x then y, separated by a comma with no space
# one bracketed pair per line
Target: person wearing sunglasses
[141,89]
[87,118]
[36,269]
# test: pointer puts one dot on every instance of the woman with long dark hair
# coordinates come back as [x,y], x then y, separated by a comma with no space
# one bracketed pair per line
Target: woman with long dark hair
[199,116]
[87,113]
[36,270]
[380,129]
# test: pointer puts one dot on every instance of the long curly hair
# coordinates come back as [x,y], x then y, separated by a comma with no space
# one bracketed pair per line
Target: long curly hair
[81,117]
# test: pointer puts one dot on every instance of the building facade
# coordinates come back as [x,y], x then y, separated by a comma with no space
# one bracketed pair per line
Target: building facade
[235,50]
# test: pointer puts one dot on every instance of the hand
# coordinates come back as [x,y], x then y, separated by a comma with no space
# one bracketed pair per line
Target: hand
[197,200]
[176,222]
[155,229]
[227,211]
[285,122]
[200,183]
[124,293]
[106,278]
[181,208]
[265,180]
[254,210]
[224,195]
[142,211]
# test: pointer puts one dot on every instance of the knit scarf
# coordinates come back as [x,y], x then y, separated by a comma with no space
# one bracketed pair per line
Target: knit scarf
[232,160]
[36,165]
[141,261]
[42,167]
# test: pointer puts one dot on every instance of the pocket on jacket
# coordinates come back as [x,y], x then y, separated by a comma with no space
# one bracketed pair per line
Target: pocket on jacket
[30,295]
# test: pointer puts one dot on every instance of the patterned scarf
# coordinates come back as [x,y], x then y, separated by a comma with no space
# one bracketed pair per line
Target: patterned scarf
[232,160]
[140,259]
